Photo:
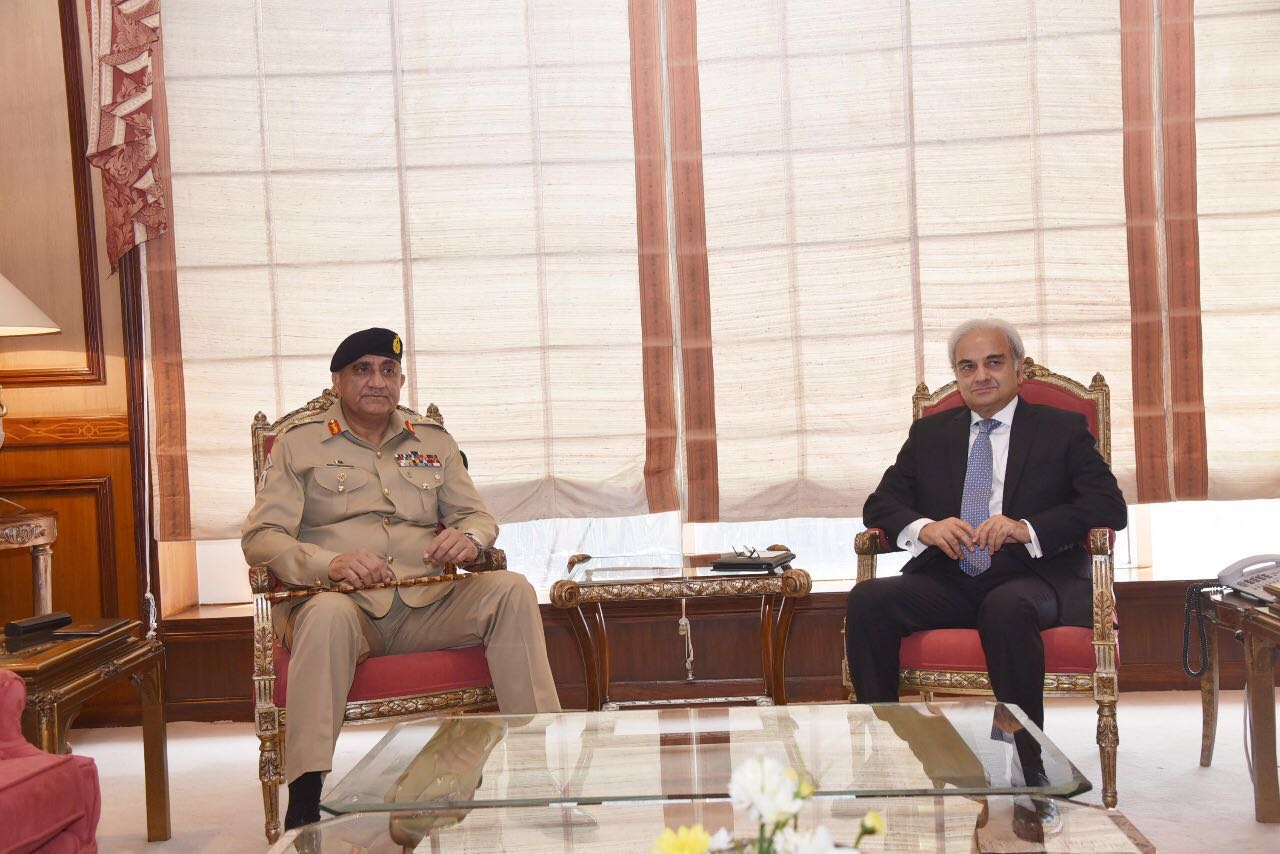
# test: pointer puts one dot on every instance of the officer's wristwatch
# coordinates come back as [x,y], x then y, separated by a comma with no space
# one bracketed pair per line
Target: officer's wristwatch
[479,548]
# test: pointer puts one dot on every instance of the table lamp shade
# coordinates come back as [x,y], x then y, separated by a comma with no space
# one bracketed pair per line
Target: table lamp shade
[19,315]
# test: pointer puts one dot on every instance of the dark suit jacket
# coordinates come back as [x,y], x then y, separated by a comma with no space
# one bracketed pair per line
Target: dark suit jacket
[1055,479]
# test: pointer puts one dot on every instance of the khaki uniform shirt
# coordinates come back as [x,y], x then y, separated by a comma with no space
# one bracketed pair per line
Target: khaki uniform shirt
[325,491]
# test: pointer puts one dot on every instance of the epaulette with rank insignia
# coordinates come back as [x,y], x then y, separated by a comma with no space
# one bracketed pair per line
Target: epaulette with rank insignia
[298,419]
[413,419]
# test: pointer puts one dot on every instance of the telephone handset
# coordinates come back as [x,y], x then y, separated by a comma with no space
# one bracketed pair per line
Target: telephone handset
[1248,576]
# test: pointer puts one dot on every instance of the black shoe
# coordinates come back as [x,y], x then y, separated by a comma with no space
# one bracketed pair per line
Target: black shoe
[304,801]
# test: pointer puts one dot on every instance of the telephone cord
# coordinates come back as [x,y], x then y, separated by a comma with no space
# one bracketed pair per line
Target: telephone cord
[1194,605]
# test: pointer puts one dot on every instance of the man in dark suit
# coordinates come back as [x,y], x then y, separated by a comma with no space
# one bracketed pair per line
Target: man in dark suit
[993,500]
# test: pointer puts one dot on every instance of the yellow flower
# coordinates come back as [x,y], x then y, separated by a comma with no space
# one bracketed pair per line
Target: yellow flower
[872,823]
[806,789]
[686,840]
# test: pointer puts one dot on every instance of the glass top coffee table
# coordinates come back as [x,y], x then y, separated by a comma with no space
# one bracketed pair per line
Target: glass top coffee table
[578,758]
[992,823]
[594,581]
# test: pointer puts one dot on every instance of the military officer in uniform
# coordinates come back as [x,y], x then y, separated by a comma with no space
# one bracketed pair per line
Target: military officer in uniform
[357,496]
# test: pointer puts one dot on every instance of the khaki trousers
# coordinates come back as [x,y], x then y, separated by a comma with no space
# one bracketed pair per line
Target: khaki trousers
[328,635]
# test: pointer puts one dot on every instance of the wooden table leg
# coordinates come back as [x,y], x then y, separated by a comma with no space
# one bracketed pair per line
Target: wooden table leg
[601,637]
[766,647]
[783,634]
[590,657]
[41,585]
[52,721]
[155,749]
[1209,696]
[1259,662]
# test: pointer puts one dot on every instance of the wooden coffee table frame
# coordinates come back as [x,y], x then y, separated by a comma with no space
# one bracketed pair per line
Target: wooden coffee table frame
[585,602]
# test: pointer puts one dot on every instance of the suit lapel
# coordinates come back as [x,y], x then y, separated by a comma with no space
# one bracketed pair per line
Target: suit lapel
[957,455]
[1022,434]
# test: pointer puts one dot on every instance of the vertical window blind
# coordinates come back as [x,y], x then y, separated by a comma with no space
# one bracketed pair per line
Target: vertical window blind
[867,176]
[876,175]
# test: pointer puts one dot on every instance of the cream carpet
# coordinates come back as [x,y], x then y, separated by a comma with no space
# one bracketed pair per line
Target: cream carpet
[1178,805]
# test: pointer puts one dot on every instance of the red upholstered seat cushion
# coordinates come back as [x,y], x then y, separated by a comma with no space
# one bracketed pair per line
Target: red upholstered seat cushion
[405,675]
[1067,649]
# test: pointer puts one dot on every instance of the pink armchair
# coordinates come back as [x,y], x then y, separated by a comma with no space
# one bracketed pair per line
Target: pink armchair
[48,803]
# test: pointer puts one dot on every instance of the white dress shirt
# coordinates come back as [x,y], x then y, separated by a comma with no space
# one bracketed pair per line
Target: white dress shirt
[909,539]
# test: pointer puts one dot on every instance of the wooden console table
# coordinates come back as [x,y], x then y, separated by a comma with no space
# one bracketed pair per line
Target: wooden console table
[1261,631]
[35,530]
[585,599]
[62,674]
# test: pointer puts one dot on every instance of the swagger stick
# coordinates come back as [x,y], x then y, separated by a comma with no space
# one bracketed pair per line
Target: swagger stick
[304,592]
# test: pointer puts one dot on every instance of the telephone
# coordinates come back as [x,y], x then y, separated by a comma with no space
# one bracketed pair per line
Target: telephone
[1246,577]
[1249,575]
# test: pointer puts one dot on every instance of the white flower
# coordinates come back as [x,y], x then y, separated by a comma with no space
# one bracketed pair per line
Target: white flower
[792,841]
[764,787]
[721,841]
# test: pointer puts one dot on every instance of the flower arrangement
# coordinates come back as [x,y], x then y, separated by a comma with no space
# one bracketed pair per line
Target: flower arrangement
[773,795]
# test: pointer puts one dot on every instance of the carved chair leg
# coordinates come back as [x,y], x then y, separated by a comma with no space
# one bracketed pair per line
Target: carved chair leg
[1108,741]
[845,678]
[271,773]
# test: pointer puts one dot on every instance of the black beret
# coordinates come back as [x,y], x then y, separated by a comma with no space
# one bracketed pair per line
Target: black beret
[367,342]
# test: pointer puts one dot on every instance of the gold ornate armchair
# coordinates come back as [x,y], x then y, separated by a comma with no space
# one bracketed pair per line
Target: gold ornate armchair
[1078,661]
[385,687]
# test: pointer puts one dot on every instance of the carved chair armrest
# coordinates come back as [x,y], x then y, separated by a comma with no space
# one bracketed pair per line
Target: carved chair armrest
[872,541]
[492,559]
[263,582]
[1101,542]
[867,544]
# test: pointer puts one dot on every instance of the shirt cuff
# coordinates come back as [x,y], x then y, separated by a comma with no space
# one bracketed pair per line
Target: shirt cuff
[1033,547]
[318,563]
[909,538]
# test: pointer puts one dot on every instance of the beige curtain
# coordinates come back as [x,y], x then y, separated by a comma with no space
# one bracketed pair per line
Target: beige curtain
[875,174]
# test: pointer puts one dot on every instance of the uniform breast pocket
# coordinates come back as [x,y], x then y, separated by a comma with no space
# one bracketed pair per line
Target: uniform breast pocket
[334,493]
[422,482]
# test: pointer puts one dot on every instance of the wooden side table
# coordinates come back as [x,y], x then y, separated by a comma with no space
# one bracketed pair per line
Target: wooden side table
[62,674]
[35,530]
[585,600]
[1261,631]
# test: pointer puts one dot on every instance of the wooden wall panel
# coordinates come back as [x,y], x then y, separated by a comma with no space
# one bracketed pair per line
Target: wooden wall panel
[95,572]
[210,660]
[209,665]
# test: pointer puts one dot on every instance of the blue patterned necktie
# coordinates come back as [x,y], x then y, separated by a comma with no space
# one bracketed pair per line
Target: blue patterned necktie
[975,504]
